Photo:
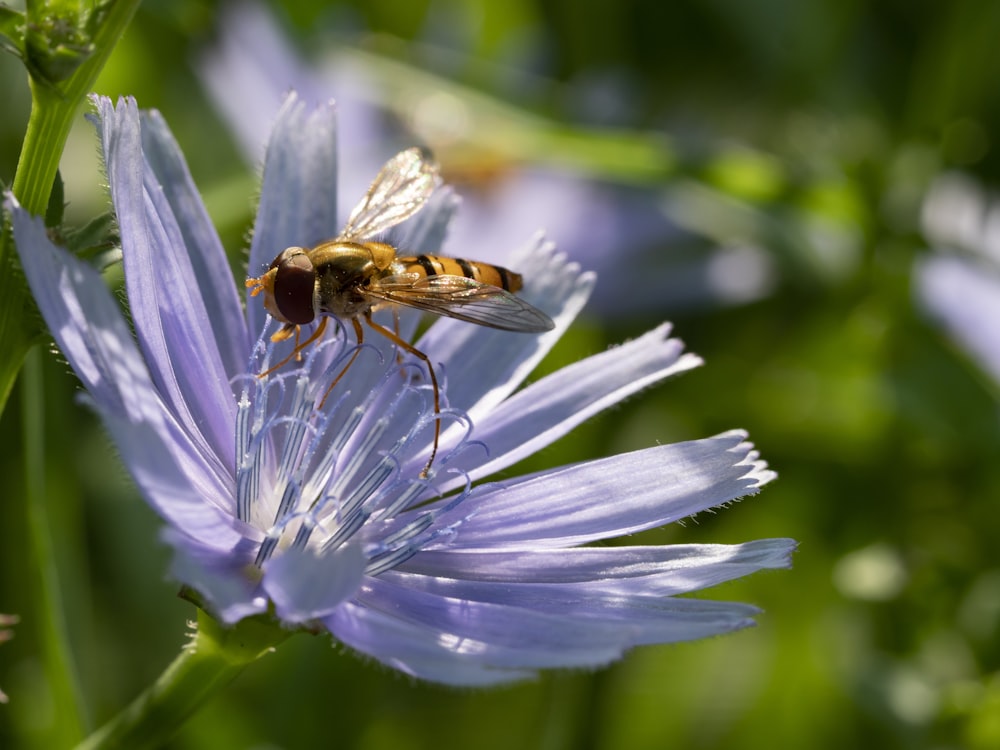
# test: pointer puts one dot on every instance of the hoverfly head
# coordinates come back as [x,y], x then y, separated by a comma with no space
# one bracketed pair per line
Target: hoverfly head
[289,287]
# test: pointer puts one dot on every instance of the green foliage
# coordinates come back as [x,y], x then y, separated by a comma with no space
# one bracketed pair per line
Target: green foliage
[809,129]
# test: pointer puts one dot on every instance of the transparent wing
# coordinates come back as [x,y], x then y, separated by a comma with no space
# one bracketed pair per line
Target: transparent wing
[400,189]
[464,299]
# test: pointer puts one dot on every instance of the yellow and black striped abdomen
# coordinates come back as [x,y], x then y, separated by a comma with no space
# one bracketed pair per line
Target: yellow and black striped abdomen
[437,265]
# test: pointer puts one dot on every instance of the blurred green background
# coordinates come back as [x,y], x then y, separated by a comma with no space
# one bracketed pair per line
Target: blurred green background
[809,130]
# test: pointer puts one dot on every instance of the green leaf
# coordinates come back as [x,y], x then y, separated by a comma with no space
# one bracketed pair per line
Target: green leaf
[12,31]
[96,241]
[57,203]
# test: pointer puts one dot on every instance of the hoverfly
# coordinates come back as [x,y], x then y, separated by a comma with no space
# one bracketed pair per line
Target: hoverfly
[353,275]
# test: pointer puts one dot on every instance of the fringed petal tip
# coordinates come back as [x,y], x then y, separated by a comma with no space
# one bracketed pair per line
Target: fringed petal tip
[757,473]
[539,258]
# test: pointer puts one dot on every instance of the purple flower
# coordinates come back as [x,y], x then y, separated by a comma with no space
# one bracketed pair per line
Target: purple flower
[321,515]
[606,227]
[959,284]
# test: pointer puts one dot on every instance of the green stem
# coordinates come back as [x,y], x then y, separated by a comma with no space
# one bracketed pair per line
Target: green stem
[54,107]
[213,658]
[44,138]
[59,668]
[52,111]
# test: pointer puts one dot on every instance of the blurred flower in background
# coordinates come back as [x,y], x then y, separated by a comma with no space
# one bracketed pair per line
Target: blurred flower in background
[626,233]
[323,516]
[959,284]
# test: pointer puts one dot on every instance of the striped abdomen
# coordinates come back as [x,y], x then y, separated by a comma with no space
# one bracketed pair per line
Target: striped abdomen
[437,265]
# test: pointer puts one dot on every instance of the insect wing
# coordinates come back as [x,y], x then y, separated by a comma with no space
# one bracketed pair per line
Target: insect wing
[400,189]
[464,299]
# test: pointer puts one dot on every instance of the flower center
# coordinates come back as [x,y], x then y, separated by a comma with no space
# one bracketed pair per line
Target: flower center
[319,476]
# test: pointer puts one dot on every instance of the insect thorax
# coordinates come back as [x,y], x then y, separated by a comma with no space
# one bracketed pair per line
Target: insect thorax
[343,271]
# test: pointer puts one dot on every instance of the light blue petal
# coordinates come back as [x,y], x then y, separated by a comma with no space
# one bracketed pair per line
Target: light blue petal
[496,635]
[170,486]
[305,584]
[298,198]
[965,297]
[84,319]
[209,264]
[421,653]
[406,628]
[89,329]
[554,630]
[610,497]
[590,571]
[220,578]
[170,316]
[547,409]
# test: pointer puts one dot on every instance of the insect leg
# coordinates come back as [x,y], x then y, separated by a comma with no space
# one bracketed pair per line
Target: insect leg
[359,333]
[297,351]
[402,344]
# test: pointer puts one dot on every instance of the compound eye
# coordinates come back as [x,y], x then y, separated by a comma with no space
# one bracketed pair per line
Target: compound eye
[294,286]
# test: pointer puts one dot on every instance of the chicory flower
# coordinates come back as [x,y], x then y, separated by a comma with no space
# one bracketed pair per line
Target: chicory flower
[320,515]
[959,283]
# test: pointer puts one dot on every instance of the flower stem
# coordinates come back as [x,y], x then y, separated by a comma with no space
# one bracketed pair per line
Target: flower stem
[213,658]
[53,107]
[60,671]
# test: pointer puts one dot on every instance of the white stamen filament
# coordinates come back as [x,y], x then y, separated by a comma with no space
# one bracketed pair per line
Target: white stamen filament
[325,487]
